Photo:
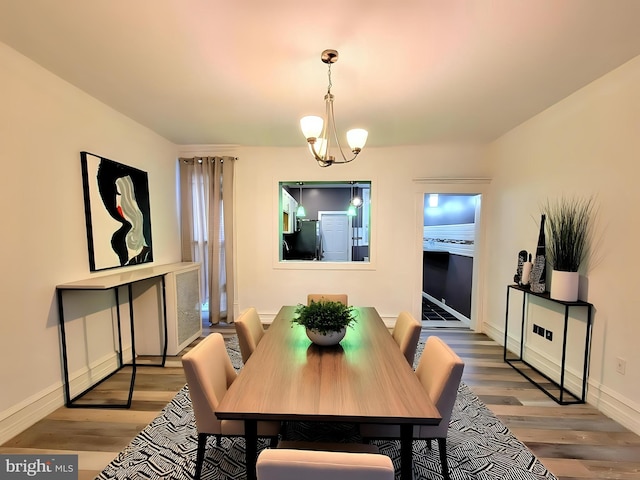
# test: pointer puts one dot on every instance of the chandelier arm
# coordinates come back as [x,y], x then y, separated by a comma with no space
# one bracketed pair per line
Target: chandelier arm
[326,131]
[318,158]
[330,125]
[335,136]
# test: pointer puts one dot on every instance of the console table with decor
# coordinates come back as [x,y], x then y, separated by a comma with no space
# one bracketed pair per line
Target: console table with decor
[523,367]
[172,335]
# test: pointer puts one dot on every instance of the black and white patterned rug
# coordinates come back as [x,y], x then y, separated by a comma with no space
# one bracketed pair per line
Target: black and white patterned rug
[479,445]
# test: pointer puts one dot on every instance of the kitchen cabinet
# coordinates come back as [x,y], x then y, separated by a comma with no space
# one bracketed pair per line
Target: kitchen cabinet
[289,208]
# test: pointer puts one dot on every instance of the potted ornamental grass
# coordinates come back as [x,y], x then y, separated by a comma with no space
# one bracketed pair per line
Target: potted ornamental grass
[568,227]
[325,321]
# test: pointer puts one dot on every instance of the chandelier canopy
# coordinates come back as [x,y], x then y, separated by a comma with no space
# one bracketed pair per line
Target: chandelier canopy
[321,132]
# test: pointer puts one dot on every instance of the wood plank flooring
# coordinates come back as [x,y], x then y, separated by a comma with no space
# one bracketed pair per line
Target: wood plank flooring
[575,442]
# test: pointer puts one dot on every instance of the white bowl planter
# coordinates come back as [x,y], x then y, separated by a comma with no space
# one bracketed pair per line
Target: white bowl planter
[564,286]
[326,339]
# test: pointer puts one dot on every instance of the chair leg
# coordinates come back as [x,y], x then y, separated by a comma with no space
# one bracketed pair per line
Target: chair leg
[202,443]
[442,447]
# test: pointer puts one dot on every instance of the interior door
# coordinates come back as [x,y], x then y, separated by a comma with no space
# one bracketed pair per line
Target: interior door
[334,236]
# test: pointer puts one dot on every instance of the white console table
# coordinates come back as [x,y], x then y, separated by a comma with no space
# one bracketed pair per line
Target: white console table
[121,278]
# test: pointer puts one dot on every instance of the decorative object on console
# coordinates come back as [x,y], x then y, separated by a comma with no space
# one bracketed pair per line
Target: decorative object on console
[522,257]
[117,213]
[526,272]
[538,277]
[325,321]
[569,222]
[319,132]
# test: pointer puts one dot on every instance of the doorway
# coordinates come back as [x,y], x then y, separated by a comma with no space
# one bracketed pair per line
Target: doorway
[449,241]
[335,236]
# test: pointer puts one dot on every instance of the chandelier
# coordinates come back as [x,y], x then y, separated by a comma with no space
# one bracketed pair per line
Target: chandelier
[321,132]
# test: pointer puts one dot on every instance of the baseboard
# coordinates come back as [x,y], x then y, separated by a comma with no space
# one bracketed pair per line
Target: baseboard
[101,368]
[623,410]
[493,332]
[544,363]
[20,417]
[551,368]
[23,415]
[615,406]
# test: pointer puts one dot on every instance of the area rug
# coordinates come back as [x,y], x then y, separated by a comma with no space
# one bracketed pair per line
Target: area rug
[479,445]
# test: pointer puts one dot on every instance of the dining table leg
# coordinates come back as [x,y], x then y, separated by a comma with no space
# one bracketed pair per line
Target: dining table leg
[251,446]
[406,451]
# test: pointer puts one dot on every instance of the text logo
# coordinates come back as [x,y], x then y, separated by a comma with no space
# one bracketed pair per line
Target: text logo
[50,467]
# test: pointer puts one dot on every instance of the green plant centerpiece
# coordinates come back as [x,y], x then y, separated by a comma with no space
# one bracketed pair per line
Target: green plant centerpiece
[568,227]
[325,321]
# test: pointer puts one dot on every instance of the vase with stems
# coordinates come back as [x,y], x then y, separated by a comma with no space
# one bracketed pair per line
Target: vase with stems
[568,227]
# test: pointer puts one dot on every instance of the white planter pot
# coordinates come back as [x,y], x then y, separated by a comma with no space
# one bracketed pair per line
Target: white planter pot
[325,339]
[564,285]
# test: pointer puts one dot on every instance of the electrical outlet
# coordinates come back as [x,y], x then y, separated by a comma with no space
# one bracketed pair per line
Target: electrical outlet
[535,328]
[621,365]
[541,331]
[549,335]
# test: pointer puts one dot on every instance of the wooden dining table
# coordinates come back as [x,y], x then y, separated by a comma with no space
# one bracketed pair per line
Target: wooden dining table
[364,379]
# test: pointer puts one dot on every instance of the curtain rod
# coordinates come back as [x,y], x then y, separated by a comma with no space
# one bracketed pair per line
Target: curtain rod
[200,159]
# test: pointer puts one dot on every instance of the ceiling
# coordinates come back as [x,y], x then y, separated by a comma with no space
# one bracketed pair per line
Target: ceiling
[243,72]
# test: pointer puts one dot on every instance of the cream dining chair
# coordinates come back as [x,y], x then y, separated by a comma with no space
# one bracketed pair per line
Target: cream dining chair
[250,331]
[440,371]
[329,297]
[209,374]
[292,464]
[406,333]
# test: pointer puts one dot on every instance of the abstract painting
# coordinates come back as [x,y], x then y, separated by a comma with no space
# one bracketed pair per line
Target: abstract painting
[117,213]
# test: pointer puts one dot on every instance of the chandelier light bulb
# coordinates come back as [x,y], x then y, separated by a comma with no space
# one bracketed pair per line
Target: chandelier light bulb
[357,138]
[311,126]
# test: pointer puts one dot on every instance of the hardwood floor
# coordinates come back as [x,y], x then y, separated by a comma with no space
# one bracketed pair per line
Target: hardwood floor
[575,442]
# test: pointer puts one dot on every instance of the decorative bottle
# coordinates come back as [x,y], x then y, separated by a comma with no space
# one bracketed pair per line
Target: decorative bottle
[538,275]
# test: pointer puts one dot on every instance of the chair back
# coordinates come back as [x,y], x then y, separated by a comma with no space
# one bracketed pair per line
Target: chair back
[440,372]
[406,333]
[250,331]
[291,464]
[328,297]
[209,374]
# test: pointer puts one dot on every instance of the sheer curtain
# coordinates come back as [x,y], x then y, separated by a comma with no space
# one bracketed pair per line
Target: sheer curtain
[206,208]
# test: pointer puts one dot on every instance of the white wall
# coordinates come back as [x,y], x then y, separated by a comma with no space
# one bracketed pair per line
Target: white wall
[587,144]
[44,124]
[393,280]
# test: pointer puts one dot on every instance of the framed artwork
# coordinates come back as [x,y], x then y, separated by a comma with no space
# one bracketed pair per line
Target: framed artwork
[117,213]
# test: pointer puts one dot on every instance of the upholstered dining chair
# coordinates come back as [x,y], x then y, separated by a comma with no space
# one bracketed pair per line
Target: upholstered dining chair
[209,374]
[250,331]
[406,333]
[330,297]
[440,371]
[291,464]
